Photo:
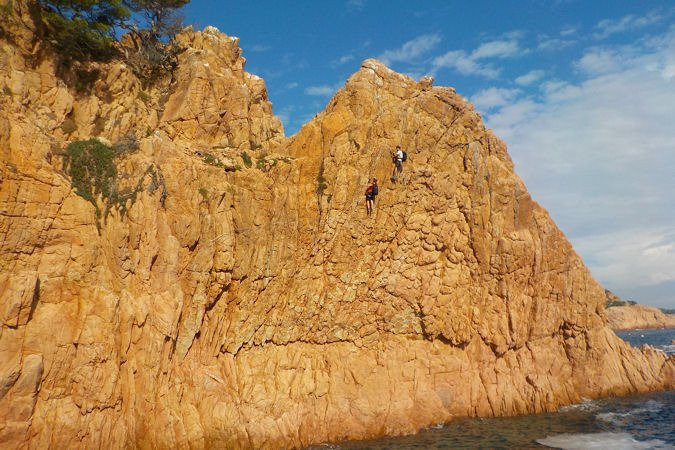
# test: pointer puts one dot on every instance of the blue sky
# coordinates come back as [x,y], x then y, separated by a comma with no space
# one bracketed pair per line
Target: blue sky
[583,93]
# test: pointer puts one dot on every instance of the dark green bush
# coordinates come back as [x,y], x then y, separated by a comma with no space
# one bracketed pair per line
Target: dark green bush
[144,97]
[210,159]
[321,184]
[6,9]
[213,161]
[92,169]
[248,162]
[93,173]
[611,303]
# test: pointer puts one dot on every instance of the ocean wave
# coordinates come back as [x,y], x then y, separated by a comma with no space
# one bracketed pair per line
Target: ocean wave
[625,418]
[651,406]
[615,441]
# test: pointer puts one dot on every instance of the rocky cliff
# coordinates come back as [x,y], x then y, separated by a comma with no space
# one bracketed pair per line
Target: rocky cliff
[631,317]
[233,293]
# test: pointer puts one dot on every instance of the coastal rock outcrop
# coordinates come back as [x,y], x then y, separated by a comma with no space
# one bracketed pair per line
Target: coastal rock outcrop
[623,315]
[241,297]
[631,317]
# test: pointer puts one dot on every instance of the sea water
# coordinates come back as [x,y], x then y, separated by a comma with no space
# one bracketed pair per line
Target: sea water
[642,421]
[661,339]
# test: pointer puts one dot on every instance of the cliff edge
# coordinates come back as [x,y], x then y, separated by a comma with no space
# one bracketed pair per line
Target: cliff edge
[226,289]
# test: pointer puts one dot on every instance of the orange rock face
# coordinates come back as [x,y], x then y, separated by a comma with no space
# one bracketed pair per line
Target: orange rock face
[239,303]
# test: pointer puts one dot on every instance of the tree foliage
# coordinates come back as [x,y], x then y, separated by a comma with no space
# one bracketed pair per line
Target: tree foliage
[160,16]
[153,52]
[88,30]
[83,29]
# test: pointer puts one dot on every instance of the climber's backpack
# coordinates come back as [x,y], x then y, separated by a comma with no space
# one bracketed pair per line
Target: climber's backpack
[374,191]
[405,156]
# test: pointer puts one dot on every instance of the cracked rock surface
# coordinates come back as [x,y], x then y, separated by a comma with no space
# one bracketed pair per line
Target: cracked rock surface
[256,305]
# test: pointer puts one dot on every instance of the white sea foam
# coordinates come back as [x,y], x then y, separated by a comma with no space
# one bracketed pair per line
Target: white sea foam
[585,405]
[668,349]
[615,441]
[618,419]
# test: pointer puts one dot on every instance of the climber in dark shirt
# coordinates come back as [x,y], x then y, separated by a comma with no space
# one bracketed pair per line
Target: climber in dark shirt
[371,192]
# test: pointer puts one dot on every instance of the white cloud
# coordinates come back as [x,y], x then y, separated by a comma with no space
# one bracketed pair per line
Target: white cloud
[497,49]
[661,295]
[530,77]
[472,64]
[630,22]
[345,59]
[464,64]
[411,50]
[554,44]
[598,61]
[568,31]
[651,250]
[356,5]
[490,98]
[321,91]
[342,60]
[258,48]
[560,91]
[292,85]
[509,120]
[598,154]
[285,114]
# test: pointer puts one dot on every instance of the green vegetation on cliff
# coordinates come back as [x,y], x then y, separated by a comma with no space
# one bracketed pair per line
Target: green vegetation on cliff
[93,172]
[92,169]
